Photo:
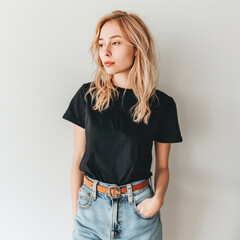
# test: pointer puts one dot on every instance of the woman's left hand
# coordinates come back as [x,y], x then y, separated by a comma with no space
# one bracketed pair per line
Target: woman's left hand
[150,206]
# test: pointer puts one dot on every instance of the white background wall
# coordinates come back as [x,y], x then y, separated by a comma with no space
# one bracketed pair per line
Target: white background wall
[44,60]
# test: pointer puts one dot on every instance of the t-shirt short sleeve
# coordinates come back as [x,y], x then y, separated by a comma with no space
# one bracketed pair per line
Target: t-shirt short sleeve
[75,112]
[168,130]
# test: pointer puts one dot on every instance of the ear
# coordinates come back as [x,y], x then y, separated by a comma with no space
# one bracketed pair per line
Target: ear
[135,50]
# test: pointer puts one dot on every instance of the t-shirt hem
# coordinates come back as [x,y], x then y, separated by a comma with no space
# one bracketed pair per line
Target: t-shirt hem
[73,120]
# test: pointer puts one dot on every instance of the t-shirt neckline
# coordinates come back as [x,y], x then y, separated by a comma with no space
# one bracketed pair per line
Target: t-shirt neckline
[123,89]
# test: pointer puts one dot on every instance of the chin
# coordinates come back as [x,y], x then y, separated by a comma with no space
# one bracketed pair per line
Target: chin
[114,71]
[111,72]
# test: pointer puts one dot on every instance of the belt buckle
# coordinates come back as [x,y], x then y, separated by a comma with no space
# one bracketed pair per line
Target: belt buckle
[114,187]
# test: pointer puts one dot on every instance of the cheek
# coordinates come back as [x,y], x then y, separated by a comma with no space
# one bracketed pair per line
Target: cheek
[100,55]
[125,57]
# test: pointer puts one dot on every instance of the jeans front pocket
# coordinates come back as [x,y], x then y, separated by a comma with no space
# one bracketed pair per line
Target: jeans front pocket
[84,197]
[140,197]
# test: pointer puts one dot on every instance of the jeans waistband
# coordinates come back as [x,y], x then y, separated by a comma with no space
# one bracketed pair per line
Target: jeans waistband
[104,184]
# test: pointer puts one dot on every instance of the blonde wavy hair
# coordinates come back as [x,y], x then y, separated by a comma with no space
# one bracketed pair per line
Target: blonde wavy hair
[143,75]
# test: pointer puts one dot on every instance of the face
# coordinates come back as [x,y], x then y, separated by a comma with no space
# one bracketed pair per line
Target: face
[114,47]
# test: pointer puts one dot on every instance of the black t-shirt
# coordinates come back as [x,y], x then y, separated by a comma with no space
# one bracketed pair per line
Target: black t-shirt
[118,150]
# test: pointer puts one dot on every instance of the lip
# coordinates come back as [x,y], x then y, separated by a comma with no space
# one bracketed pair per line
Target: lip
[107,63]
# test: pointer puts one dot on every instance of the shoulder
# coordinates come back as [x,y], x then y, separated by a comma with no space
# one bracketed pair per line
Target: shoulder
[163,100]
[163,95]
[83,91]
[85,86]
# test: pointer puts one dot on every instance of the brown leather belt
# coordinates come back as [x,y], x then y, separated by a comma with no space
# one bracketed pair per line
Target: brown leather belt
[114,190]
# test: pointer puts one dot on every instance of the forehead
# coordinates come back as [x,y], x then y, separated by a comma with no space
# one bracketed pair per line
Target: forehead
[109,29]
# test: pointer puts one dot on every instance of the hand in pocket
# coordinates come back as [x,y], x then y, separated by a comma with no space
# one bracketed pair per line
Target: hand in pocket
[149,207]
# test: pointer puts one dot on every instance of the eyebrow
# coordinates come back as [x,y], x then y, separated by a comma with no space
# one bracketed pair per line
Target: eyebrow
[114,36]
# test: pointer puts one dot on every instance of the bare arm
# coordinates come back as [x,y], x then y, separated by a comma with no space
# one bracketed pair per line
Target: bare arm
[151,206]
[76,174]
[161,178]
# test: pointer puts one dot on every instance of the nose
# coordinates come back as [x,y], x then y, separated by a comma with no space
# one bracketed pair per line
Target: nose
[107,51]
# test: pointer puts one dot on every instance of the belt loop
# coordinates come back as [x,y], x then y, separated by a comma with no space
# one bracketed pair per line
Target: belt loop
[130,193]
[94,189]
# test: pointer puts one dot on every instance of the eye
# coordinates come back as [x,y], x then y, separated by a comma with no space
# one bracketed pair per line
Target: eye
[100,45]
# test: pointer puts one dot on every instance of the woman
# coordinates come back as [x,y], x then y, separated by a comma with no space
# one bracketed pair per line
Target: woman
[116,119]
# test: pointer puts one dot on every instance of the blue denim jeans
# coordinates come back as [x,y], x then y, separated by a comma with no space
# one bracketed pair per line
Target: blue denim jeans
[100,216]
